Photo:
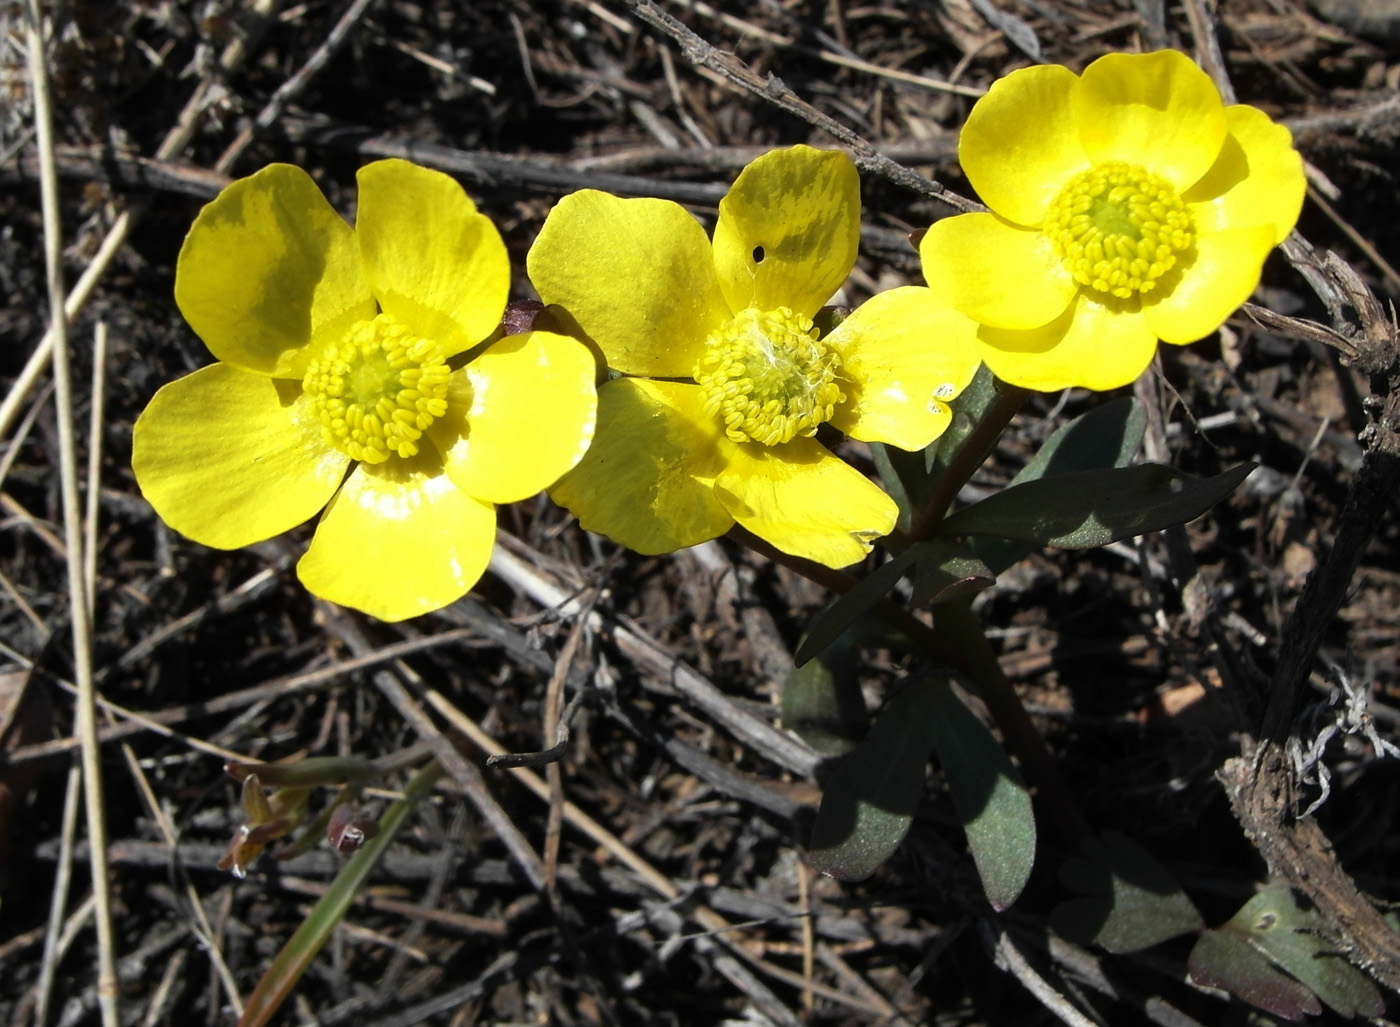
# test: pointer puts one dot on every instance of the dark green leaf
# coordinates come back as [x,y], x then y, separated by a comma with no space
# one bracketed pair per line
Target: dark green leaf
[905,476]
[961,573]
[1223,959]
[836,618]
[1298,940]
[870,801]
[1133,902]
[822,701]
[1107,436]
[991,800]
[957,575]
[1093,508]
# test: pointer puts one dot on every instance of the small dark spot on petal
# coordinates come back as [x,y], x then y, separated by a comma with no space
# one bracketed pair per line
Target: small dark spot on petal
[758,254]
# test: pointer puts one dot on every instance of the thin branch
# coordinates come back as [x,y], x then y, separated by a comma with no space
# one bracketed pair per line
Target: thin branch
[772,89]
[339,35]
[58,901]
[716,926]
[759,735]
[1009,957]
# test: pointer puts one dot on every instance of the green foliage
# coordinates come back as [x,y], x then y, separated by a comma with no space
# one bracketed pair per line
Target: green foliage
[871,800]
[970,409]
[948,571]
[1270,930]
[869,803]
[1076,492]
[1224,960]
[990,798]
[951,572]
[1104,437]
[906,477]
[1084,509]
[822,702]
[1131,902]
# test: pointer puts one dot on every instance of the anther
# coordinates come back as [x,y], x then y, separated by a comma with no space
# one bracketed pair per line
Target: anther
[1119,228]
[767,377]
[378,391]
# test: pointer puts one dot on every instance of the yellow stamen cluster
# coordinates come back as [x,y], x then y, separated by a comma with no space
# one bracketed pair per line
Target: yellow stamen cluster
[768,378]
[378,391]
[1119,228]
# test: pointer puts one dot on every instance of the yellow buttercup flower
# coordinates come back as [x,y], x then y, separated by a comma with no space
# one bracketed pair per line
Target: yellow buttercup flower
[1128,204]
[345,350]
[721,378]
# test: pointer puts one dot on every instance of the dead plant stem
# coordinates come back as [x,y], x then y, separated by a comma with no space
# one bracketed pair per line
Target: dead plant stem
[79,609]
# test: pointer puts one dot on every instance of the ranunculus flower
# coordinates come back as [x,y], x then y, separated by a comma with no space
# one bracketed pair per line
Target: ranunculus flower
[1128,204]
[721,379]
[340,350]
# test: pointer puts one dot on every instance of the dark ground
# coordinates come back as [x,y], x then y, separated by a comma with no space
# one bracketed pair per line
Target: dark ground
[1116,668]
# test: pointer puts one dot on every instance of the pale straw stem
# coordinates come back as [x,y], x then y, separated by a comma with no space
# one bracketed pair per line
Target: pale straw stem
[86,726]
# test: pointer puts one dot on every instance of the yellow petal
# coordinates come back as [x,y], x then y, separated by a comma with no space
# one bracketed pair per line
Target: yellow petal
[1257,180]
[229,458]
[530,419]
[904,355]
[399,539]
[1021,142]
[433,262]
[805,501]
[1156,110]
[1091,346]
[646,481]
[995,273]
[1222,276]
[637,276]
[267,267]
[788,230]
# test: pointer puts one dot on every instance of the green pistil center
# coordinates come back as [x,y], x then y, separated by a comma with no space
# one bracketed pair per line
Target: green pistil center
[768,378]
[378,391]
[1118,228]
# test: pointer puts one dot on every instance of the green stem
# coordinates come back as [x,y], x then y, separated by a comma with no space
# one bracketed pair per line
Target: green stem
[969,456]
[329,771]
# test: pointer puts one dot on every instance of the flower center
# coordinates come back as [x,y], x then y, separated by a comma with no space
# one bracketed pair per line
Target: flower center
[377,391]
[768,378]
[1118,228]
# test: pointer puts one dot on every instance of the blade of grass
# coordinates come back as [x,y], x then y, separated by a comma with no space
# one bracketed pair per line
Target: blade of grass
[281,977]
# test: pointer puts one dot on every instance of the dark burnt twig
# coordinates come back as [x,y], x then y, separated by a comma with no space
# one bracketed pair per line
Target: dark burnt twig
[1262,782]
[773,90]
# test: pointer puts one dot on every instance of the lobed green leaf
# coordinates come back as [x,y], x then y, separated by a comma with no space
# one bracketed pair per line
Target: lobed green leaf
[870,801]
[990,798]
[1299,941]
[822,700]
[1222,959]
[1106,436]
[1132,901]
[1083,509]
